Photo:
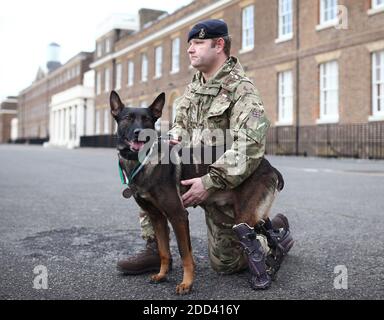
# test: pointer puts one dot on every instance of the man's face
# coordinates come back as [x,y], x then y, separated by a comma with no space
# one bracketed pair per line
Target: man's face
[201,54]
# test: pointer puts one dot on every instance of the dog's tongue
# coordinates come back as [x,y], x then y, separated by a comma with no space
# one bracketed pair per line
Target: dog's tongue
[137,145]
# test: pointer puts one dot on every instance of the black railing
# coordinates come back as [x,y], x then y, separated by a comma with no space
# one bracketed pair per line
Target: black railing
[99,141]
[29,140]
[331,140]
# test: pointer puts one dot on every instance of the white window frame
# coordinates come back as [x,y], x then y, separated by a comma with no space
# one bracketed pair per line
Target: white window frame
[119,74]
[106,121]
[99,49]
[107,80]
[247,28]
[285,20]
[175,63]
[285,94]
[144,67]
[329,92]
[377,86]
[98,82]
[131,73]
[328,7]
[158,61]
[377,6]
[107,45]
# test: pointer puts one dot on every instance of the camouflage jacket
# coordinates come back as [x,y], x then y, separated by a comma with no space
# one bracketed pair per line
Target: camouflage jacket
[228,102]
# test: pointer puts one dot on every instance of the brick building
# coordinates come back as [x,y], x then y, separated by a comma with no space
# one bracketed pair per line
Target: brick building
[318,64]
[34,101]
[8,112]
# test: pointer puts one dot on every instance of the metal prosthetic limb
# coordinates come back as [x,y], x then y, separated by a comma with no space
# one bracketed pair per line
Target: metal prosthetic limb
[260,279]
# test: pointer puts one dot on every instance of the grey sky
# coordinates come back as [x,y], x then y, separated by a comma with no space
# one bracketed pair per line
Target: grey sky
[27,27]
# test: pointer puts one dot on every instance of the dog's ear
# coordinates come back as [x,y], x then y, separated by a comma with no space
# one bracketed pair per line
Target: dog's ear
[115,103]
[157,106]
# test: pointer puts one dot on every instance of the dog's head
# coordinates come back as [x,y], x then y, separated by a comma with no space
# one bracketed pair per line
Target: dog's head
[131,121]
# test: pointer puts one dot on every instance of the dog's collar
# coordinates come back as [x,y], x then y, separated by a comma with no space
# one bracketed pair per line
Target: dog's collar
[127,178]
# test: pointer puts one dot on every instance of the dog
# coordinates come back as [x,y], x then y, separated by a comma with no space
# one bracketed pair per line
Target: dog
[251,200]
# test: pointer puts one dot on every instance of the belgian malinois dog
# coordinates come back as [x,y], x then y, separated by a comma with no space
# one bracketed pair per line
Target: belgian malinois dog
[157,188]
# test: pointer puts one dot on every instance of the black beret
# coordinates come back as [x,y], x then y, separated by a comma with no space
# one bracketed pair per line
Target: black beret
[208,29]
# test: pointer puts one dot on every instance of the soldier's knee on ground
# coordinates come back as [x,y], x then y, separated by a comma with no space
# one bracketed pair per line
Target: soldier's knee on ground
[226,257]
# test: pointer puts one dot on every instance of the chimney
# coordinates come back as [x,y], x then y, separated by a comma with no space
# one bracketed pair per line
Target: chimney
[149,15]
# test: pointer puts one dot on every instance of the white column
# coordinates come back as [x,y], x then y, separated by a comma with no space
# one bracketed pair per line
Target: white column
[62,126]
[51,126]
[57,125]
[67,126]
[80,122]
[52,132]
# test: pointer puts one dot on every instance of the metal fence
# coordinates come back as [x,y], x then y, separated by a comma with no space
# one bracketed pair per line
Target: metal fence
[100,141]
[29,140]
[331,140]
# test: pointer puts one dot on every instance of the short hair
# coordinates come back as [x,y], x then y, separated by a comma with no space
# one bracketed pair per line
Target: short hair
[227,44]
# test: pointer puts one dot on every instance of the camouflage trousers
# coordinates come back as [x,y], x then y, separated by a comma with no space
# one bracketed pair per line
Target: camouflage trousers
[225,252]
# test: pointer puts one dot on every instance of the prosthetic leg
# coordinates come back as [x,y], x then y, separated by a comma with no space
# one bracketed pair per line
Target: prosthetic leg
[260,279]
[279,240]
[263,265]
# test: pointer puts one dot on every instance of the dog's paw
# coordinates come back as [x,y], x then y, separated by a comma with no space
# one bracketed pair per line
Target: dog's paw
[157,278]
[183,288]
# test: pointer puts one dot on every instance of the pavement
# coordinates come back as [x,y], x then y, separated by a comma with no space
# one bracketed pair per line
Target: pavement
[62,211]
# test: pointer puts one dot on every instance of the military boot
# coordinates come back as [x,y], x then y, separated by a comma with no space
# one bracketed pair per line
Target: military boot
[147,260]
[260,279]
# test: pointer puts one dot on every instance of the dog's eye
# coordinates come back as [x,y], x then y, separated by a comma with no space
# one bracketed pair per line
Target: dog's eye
[129,118]
[145,118]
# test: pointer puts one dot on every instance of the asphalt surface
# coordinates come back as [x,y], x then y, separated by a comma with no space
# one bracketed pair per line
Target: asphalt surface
[63,209]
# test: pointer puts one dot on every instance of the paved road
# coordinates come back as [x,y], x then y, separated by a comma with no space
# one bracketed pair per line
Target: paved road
[62,209]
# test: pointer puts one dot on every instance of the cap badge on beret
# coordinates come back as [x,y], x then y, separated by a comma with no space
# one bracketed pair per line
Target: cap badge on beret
[202,33]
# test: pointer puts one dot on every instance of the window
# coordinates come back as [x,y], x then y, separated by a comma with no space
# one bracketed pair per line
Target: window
[175,55]
[98,82]
[285,18]
[107,80]
[378,83]
[329,92]
[144,67]
[99,49]
[118,76]
[107,45]
[328,11]
[106,121]
[247,28]
[131,72]
[158,61]
[285,112]
[377,4]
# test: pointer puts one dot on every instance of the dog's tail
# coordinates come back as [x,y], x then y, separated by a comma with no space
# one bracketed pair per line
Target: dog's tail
[280,179]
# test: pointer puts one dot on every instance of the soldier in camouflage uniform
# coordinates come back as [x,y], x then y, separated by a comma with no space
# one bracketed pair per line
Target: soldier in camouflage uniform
[219,97]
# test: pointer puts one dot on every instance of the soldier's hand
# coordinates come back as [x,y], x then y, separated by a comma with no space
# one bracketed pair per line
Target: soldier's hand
[196,194]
